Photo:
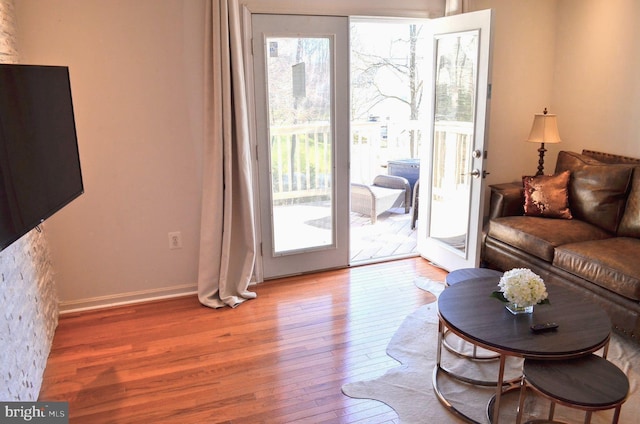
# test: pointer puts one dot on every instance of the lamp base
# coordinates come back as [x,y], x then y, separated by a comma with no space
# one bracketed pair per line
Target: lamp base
[541,152]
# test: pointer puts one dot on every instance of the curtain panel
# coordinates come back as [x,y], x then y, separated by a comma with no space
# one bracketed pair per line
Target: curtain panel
[227,235]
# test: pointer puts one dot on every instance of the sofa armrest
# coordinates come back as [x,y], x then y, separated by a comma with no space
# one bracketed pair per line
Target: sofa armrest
[506,200]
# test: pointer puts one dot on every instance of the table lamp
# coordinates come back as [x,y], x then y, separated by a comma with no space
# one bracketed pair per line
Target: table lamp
[543,130]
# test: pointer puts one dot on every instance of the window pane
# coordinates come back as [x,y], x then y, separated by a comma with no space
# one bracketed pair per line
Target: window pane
[301,151]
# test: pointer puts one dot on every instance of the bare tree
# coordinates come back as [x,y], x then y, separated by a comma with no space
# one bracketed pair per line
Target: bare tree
[403,66]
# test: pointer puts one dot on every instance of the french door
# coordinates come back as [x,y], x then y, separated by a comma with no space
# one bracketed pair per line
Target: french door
[301,73]
[301,67]
[451,201]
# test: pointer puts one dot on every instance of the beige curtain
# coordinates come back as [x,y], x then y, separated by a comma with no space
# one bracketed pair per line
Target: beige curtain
[227,235]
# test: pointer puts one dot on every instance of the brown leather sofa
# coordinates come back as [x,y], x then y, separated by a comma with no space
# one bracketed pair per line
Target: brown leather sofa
[596,251]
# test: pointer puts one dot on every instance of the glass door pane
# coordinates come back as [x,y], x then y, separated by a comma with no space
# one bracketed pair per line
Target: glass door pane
[455,89]
[301,146]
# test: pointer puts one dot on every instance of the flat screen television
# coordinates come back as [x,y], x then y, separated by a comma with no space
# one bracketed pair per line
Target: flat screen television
[39,160]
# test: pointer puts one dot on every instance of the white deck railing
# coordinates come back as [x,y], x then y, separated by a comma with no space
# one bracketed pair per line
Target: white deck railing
[300,165]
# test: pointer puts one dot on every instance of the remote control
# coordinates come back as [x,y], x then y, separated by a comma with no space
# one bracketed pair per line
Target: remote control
[547,326]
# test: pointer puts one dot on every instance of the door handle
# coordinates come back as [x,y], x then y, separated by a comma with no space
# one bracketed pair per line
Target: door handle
[476,173]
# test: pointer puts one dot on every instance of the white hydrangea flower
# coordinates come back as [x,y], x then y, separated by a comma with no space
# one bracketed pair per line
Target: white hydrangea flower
[523,287]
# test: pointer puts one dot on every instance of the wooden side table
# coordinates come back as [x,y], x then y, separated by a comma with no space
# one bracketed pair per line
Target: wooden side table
[590,383]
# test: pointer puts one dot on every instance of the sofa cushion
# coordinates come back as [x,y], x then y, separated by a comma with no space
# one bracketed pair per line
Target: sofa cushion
[597,191]
[547,195]
[630,223]
[540,236]
[612,263]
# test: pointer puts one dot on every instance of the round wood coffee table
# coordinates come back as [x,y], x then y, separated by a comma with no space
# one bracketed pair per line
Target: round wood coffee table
[468,310]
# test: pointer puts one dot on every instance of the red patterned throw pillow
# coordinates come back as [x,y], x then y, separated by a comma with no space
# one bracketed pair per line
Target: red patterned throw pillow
[547,195]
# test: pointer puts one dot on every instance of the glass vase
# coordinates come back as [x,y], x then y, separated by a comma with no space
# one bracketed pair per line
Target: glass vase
[516,309]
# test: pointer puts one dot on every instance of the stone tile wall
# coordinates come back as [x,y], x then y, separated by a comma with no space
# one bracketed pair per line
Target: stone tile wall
[29,304]
[8,45]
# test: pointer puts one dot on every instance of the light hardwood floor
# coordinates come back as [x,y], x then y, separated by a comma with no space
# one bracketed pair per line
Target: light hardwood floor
[280,358]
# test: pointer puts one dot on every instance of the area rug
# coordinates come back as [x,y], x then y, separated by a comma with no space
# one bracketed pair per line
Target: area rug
[408,388]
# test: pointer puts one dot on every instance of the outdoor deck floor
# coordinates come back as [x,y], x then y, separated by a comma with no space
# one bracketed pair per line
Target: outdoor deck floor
[390,237]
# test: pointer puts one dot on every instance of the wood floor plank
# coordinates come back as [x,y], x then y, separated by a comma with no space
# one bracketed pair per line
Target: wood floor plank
[282,357]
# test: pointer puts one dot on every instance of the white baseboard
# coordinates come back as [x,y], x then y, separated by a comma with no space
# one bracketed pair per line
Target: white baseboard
[126,298]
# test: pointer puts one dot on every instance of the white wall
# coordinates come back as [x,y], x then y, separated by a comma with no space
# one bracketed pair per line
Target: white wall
[596,86]
[136,79]
[522,76]
[579,58]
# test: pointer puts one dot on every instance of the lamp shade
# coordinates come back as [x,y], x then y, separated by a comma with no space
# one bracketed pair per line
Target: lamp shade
[544,129]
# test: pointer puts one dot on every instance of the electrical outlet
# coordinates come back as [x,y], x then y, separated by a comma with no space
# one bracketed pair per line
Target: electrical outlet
[175,240]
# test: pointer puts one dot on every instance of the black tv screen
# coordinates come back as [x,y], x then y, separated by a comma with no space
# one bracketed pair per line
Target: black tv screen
[39,161]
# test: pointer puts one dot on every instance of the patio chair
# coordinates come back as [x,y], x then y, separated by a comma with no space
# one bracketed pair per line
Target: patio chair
[386,192]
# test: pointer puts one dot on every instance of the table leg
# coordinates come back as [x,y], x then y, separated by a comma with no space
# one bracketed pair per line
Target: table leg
[438,368]
[494,417]
[440,339]
[523,389]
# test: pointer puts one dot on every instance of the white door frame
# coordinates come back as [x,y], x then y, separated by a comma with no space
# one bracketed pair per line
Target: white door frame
[336,255]
[441,253]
